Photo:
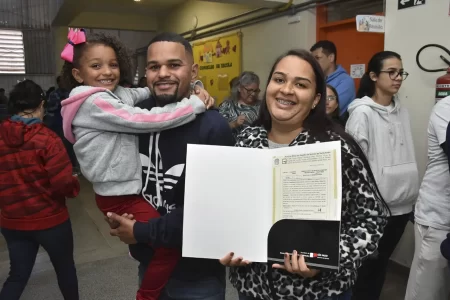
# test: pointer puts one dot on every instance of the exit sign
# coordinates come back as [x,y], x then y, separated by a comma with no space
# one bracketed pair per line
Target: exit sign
[409,3]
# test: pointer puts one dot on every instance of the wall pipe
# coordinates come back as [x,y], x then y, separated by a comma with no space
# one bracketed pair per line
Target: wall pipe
[266,17]
[286,6]
[293,10]
[220,22]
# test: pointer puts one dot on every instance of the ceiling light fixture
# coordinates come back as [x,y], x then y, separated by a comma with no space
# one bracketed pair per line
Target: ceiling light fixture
[137,0]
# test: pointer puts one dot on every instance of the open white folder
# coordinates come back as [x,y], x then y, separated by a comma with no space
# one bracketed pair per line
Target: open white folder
[234,195]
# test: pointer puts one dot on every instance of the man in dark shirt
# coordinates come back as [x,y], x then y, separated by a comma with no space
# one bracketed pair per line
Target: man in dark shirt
[53,121]
[3,105]
[170,72]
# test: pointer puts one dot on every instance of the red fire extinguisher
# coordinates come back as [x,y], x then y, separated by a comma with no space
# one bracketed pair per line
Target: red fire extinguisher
[443,86]
[443,82]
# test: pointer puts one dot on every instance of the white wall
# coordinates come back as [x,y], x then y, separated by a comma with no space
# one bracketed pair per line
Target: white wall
[405,35]
[264,42]
[261,43]
[181,17]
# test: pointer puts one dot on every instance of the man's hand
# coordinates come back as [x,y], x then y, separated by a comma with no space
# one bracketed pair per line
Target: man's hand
[204,96]
[114,224]
[296,264]
[124,231]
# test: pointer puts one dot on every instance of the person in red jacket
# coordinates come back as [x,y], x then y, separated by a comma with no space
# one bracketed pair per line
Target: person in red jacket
[35,179]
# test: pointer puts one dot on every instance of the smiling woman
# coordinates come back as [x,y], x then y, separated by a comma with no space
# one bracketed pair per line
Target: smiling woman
[293,113]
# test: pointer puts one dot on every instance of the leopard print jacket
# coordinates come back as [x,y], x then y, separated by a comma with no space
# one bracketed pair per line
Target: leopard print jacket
[364,216]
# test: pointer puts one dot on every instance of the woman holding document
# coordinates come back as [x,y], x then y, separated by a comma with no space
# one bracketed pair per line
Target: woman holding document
[293,113]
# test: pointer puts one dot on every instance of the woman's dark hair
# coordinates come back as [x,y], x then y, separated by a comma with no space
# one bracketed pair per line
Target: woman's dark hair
[367,85]
[26,95]
[122,53]
[335,113]
[319,125]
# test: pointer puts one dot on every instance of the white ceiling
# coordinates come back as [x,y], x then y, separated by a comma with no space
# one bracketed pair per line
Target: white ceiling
[71,8]
[150,7]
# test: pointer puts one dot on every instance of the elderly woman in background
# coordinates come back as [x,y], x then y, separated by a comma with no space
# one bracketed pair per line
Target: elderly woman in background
[242,107]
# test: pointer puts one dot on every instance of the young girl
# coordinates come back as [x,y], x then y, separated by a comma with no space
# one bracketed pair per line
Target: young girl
[381,125]
[35,179]
[99,118]
[333,108]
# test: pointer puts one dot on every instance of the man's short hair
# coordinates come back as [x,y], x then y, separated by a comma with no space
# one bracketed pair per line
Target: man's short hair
[175,38]
[328,47]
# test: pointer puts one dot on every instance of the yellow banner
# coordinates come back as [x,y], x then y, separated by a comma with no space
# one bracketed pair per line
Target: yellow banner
[219,62]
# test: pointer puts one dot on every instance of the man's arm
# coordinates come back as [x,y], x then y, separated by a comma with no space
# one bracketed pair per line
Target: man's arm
[446,144]
[167,231]
[439,121]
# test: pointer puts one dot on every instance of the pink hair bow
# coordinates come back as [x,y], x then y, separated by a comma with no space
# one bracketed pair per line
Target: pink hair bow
[75,37]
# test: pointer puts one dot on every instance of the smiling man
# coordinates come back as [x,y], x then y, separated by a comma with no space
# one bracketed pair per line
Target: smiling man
[170,75]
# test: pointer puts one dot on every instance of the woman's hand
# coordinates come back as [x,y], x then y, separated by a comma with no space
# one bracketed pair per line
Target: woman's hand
[296,265]
[204,96]
[229,261]
[238,122]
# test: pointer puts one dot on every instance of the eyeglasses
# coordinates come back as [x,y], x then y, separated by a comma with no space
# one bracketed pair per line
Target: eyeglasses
[394,74]
[250,91]
[331,98]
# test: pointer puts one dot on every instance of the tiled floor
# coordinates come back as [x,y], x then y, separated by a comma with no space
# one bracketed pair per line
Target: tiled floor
[104,269]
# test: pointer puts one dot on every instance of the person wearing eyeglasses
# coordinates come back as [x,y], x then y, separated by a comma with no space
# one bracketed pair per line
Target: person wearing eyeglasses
[241,109]
[333,108]
[381,126]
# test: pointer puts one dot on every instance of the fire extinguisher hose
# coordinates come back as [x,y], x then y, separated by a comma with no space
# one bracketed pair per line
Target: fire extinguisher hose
[441,56]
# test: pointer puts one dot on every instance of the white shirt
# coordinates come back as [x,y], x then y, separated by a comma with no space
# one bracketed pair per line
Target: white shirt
[384,134]
[433,204]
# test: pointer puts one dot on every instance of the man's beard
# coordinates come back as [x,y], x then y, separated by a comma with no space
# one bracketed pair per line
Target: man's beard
[164,99]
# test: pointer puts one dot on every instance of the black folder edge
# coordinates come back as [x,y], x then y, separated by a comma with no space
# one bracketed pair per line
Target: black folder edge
[279,235]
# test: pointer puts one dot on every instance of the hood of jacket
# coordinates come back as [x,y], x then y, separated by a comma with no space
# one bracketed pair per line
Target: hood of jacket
[383,111]
[339,71]
[70,106]
[17,130]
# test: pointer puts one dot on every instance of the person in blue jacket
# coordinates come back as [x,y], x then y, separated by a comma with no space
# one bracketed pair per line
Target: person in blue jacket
[326,54]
